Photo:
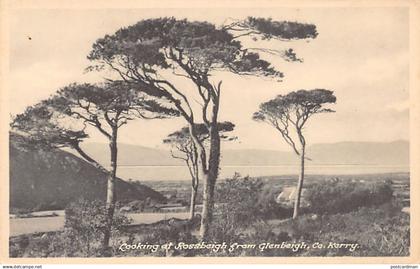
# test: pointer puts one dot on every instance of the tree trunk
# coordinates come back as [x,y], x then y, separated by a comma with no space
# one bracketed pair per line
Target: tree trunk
[110,197]
[210,180]
[204,175]
[192,204]
[300,183]
[208,205]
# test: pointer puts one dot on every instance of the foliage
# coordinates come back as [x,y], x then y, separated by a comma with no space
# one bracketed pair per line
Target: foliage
[55,122]
[85,225]
[82,235]
[268,207]
[183,136]
[380,231]
[184,148]
[103,101]
[294,109]
[166,231]
[343,197]
[39,129]
[240,198]
[60,120]
[165,42]
[284,30]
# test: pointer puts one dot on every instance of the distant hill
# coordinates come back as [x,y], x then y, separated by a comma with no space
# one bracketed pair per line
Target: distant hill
[46,180]
[390,153]
[131,155]
[365,153]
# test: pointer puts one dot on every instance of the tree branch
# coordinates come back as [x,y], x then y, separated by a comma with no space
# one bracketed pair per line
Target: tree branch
[285,134]
[85,156]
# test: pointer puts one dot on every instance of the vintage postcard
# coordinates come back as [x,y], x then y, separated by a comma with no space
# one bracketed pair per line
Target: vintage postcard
[210,132]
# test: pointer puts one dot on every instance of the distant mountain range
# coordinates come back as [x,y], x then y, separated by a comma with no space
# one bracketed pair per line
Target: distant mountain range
[356,153]
[47,180]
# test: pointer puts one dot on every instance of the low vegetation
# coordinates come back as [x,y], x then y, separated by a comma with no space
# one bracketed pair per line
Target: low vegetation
[343,197]
[365,215]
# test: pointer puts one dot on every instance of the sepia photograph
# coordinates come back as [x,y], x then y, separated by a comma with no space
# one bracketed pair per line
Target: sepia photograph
[209,131]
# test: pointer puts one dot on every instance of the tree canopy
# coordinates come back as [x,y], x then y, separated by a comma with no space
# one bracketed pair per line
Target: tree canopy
[184,135]
[161,43]
[294,109]
[60,120]
[39,126]
[267,28]
[139,53]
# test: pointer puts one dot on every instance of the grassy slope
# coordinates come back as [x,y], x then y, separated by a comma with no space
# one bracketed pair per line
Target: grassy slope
[44,180]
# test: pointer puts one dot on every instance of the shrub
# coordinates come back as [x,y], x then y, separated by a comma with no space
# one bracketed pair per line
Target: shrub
[343,197]
[268,208]
[243,201]
[160,233]
[85,225]
[239,198]
[238,201]
[378,231]
[261,232]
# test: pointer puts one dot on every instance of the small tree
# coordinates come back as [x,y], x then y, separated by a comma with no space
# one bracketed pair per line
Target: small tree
[292,111]
[186,150]
[60,121]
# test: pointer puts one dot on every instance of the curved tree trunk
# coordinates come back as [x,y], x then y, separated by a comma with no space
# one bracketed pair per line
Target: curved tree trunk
[111,197]
[300,183]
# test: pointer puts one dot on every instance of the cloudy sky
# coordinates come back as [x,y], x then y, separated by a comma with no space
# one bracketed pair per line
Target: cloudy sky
[360,53]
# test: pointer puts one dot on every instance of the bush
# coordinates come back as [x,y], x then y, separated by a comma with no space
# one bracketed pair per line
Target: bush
[263,233]
[239,198]
[377,230]
[85,225]
[243,201]
[268,208]
[160,233]
[343,197]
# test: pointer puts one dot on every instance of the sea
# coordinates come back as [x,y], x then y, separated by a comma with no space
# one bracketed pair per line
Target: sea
[136,172]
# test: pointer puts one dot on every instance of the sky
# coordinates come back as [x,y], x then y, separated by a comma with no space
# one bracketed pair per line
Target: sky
[361,54]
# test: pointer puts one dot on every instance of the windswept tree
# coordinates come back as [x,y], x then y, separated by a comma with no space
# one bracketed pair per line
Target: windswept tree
[288,114]
[60,121]
[155,54]
[184,148]
[40,128]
